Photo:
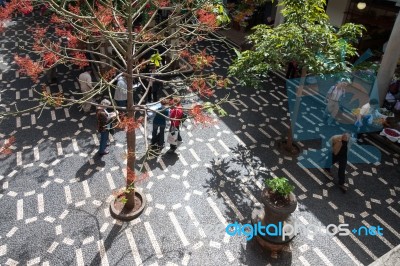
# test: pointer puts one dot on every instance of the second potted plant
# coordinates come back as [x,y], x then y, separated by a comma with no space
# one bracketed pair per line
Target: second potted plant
[279,202]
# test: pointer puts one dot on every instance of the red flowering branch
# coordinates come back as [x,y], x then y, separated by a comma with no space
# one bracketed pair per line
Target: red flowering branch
[207,18]
[129,124]
[6,147]
[29,67]
[200,116]
[200,85]
[200,60]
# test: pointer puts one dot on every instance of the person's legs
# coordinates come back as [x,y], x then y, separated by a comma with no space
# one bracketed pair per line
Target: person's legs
[155,93]
[121,103]
[154,134]
[179,133]
[136,96]
[149,94]
[342,171]
[161,137]
[103,142]
[341,174]
[172,147]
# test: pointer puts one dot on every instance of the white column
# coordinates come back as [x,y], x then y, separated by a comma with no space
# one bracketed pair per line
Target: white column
[335,10]
[389,61]
[278,17]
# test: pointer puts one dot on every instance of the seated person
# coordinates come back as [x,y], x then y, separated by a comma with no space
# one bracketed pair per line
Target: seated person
[392,95]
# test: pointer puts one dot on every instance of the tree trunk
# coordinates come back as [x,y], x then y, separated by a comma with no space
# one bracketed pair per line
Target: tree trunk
[292,125]
[130,134]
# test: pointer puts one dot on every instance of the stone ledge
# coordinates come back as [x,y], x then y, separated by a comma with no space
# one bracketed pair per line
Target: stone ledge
[385,142]
[389,259]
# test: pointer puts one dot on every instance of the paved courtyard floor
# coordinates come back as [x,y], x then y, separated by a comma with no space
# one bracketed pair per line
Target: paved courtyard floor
[55,191]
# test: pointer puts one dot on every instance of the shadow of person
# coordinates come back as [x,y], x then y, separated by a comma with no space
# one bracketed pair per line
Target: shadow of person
[170,159]
[88,169]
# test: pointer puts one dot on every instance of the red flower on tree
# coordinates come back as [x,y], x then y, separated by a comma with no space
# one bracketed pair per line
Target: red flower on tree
[130,124]
[207,18]
[132,178]
[5,148]
[201,87]
[161,3]
[25,6]
[200,117]
[50,58]
[56,19]
[74,9]
[201,60]
[80,59]
[29,67]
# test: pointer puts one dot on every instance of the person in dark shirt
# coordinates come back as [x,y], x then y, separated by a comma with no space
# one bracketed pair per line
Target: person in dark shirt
[159,123]
[339,144]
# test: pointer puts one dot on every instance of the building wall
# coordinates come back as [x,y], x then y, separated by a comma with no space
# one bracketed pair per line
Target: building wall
[335,11]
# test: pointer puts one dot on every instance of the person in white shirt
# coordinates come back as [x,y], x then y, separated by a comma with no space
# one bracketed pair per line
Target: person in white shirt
[121,93]
[368,113]
[333,98]
[104,122]
[85,82]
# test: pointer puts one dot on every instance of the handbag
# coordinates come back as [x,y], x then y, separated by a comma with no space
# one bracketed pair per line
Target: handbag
[172,136]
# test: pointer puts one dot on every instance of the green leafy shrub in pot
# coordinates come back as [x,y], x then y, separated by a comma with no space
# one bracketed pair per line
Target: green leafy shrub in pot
[279,190]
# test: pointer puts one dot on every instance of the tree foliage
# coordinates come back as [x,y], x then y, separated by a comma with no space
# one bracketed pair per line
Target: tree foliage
[306,37]
[142,34]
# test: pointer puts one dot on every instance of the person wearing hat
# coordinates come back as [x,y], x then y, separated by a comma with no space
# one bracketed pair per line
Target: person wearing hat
[104,119]
[85,82]
[121,93]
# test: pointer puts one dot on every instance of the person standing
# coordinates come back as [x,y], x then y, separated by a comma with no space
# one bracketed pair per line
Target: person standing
[159,124]
[292,70]
[339,149]
[175,115]
[155,86]
[121,93]
[333,98]
[104,119]
[85,82]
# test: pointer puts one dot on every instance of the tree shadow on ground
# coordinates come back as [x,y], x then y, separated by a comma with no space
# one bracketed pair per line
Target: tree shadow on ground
[108,242]
[238,181]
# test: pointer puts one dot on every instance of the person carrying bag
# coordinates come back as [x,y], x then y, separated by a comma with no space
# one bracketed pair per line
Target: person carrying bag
[175,115]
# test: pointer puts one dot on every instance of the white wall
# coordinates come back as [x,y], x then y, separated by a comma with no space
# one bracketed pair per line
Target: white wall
[335,11]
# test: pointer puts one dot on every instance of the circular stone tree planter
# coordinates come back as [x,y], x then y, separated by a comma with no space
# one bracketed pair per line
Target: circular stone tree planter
[119,211]
[278,215]
[294,151]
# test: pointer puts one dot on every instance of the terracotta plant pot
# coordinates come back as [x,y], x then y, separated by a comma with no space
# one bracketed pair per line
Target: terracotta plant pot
[275,214]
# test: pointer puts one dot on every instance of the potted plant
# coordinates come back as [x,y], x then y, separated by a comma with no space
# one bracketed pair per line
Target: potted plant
[279,200]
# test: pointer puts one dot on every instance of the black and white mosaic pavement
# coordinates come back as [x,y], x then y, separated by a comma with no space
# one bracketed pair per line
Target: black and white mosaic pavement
[55,192]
